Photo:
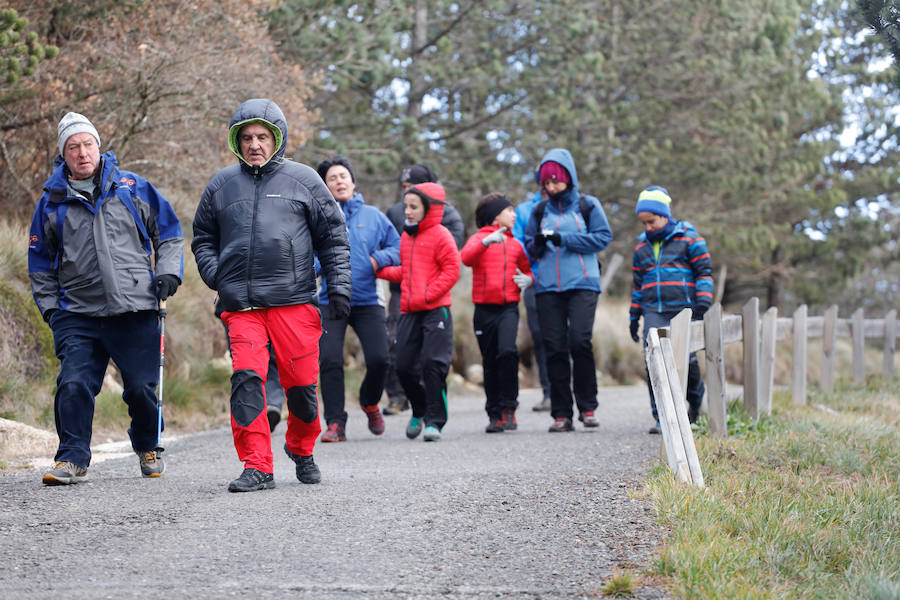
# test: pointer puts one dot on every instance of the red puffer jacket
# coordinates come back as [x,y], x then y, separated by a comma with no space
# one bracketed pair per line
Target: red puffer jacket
[429,260]
[493,267]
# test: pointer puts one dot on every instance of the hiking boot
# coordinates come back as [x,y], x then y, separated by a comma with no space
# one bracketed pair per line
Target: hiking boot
[509,419]
[65,473]
[693,413]
[334,433]
[589,419]
[655,429]
[495,426]
[376,422]
[252,480]
[414,428]
[152,463]
[307,471]
[395,408]
[274,415]
[561,424]
[542,406]
[432,434]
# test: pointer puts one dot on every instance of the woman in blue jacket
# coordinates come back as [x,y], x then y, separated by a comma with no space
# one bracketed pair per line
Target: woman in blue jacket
[562,236]
[374,244]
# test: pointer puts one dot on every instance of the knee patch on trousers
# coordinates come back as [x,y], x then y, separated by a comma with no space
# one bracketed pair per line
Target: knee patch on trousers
[302,402]
[247,400]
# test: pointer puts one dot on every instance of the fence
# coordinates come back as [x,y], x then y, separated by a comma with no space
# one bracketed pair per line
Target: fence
[669,350]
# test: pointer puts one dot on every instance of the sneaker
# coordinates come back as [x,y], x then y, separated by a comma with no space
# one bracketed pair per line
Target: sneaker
[655,429]
[152,463]
[274,414]
[495,426]
[542,406]
[376,422]
[65,473]
[334,433]
[589,419]
[252,480]
[561,424]
[432,434]
[395,408]
[307,471]
[509,419]
[414,428]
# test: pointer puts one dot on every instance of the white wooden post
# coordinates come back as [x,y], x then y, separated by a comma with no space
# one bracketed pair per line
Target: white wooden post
[857,330]
[715,371]
[798,378]
[828,348]
[680,335]
[684,425]
[890,343]
[767,359]
[610,269]
[750,327]
[668,418]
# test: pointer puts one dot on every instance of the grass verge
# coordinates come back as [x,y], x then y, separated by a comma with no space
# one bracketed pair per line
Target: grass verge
[802,504]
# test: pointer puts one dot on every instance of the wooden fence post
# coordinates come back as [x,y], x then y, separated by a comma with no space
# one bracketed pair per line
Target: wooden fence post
[668,418]
[720,284]
[715,371]
[857,330]
[767,359]
[750,327]
[890,343]
[680,334]
[798,379]
[610,269]
[684,425]
[828,348]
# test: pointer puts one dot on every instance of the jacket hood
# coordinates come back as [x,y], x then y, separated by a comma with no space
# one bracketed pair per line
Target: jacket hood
[680,227]
[563,157]
[265,112]
[434,197]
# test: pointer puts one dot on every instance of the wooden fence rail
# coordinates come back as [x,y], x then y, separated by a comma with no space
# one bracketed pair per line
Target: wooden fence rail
[759,337]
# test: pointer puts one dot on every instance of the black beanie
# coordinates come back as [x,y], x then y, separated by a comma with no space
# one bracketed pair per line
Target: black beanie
[489,207]
[326,164]
[417,174]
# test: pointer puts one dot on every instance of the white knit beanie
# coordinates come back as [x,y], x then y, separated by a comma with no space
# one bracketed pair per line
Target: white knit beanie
[71,124]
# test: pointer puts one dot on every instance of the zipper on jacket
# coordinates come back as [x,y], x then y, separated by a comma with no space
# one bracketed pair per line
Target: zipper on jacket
[251,249]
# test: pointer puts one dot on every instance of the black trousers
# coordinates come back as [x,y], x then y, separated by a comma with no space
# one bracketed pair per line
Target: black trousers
[368,323]
[567,324]
[392,384]
[496,327]
[424,350]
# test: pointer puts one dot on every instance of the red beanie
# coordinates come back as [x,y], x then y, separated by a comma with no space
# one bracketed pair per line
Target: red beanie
[554,170]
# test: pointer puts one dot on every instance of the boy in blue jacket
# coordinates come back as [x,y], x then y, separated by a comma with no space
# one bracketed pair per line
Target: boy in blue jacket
[672,271]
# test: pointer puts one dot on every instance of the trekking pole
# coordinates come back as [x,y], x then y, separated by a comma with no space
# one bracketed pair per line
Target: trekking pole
[162,362]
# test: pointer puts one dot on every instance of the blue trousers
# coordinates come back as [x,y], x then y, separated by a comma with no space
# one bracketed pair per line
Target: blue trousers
[695,386]
[84,346]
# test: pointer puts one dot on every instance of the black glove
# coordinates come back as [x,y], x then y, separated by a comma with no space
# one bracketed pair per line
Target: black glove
[48,314]
[697,312]
[166,286]
[338,307]
[634,326]
[540,240]
[555,238]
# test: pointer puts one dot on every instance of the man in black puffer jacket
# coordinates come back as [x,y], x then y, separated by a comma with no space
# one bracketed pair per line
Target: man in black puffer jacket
[257,229]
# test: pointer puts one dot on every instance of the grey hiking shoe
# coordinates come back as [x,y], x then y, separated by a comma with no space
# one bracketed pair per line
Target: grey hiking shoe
[542,406]
[152,463]
[65,473]
[252,480]
[432,434]
[307,471]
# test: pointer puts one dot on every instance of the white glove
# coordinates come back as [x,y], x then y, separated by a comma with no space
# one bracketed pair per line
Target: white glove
[522,280]
[494,238]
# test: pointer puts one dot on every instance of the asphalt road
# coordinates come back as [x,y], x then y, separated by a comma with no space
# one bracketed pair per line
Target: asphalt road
[523,514]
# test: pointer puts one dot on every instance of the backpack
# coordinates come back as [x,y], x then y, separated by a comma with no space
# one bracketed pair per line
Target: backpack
[583,205]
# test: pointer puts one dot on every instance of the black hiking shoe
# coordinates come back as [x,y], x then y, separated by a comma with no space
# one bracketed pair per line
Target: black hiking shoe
[495,426]
[509,419]
[307,471]
[561,424]
[252,480]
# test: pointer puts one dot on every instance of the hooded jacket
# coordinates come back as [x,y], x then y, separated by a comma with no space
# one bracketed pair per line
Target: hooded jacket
[94,258]
[429,260]
[493,267]
[258,228]
[572,265]
[678,276]
[371,235]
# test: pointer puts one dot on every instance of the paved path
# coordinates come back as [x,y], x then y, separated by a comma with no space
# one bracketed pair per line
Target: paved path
[522,514]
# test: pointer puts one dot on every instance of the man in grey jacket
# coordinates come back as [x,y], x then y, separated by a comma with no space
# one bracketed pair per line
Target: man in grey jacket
[258,228]
[96,235]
